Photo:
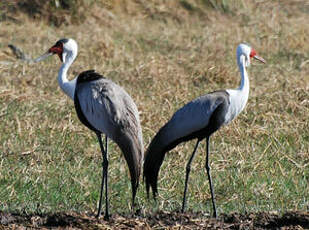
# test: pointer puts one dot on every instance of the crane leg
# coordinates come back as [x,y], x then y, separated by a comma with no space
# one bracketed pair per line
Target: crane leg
[188,169]
[133,195]
[104,177]
[209,178]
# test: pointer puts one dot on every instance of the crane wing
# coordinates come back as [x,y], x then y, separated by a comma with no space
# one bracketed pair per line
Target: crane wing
[107,107]
[194,116]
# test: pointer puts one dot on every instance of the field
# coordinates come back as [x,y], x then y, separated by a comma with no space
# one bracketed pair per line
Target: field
[164,53]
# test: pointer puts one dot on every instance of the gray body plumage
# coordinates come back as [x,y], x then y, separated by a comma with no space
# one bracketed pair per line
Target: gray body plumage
[197,119]
[195,115]
[110,110]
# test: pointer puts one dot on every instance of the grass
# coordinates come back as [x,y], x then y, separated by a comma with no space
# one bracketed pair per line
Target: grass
[164,55]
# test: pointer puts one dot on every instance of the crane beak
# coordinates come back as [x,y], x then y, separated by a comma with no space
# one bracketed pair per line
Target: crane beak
[43,57]
[259,58]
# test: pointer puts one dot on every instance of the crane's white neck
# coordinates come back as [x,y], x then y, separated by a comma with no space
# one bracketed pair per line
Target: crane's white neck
[68,87]
[244,82]
[239,96]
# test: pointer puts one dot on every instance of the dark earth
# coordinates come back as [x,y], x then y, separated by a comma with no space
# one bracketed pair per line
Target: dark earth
[159,220]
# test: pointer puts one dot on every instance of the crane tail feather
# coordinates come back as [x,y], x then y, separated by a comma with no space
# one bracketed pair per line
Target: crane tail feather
[153,161]
[132,149]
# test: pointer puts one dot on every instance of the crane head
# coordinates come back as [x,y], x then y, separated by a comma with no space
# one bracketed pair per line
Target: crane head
[248,52]
[64,48]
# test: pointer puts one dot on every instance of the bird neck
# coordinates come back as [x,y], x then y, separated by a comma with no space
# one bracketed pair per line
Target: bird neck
[239,96]
[244,82]
[68,87]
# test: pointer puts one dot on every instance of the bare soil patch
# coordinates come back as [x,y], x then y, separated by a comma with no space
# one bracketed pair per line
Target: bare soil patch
[159,220]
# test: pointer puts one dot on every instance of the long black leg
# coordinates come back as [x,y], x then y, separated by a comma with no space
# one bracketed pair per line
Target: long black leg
[133,195]
[104,177]
[209,178]
[188,169]
[105,171]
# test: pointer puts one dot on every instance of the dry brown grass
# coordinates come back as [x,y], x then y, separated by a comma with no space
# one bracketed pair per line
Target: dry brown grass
[164,55]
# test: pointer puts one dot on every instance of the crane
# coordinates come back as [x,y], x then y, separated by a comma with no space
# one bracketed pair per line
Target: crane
[199,119]
[105,108]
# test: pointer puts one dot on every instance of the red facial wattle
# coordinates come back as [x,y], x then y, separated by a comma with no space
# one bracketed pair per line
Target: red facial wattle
[253,53]
[57,49]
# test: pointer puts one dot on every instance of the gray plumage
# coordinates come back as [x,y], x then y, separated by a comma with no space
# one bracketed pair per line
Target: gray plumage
[189,122]
[105,107]
[110,110]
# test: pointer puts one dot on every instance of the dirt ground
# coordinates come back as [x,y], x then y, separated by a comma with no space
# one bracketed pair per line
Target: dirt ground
[159,220]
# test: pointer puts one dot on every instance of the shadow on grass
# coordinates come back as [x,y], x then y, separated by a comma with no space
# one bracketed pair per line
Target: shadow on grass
[263,220]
